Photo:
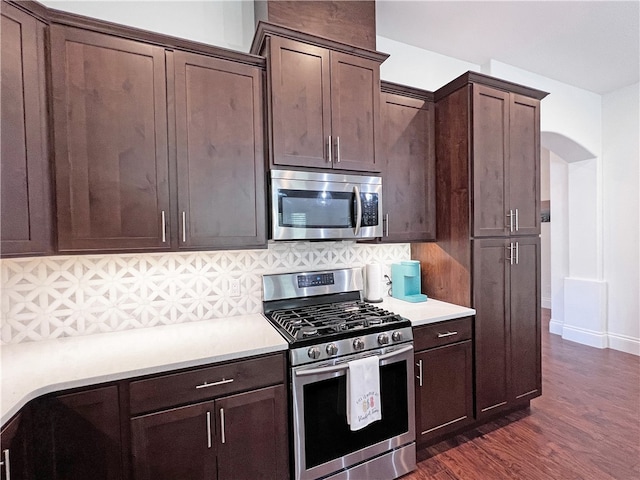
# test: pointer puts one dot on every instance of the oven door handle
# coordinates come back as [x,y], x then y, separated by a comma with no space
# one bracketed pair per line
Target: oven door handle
[344,366]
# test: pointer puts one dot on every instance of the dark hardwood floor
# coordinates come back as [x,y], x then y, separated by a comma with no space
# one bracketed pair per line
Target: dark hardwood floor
[586,424]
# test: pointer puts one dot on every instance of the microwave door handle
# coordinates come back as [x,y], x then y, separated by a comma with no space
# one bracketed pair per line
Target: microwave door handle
[356,192]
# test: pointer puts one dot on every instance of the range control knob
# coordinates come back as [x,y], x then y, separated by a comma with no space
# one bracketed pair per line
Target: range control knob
[358,344]
[383,338]
[314,352]
[396,336]
[332,349]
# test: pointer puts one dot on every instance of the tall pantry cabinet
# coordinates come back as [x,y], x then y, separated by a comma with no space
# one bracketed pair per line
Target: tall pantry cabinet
[487,254]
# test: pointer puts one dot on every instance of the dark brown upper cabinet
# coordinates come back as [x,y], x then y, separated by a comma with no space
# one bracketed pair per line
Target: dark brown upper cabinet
[506,163]
[26,226]
[111,156]
[323,101]
[219,153]
[408,164]
[156,148]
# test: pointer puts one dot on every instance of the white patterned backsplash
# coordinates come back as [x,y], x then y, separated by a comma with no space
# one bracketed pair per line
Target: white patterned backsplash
[61,296]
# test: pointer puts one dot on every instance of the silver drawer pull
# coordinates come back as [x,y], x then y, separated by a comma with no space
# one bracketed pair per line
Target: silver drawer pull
[448,334]
[221,382]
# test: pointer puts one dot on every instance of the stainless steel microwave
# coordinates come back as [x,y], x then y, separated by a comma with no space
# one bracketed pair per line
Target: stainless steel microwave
[325,206]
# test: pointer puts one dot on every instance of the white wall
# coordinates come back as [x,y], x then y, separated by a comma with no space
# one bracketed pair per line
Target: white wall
[545,230]
[621,179]
[417,67]
[227,24]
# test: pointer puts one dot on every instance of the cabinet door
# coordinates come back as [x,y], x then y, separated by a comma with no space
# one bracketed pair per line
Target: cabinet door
[300,103]
[14,453]
[444,390]
[26,226]
[84,434]
[526,378]
[524,163]
[110,125]
[489,163]
[175,444]
[492,329]
[355,112]
[409,169]
[220,153]
[252,435]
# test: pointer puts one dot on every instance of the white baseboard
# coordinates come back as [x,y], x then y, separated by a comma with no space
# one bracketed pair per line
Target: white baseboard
[546,302]
[585,337]
[555,327]
[624,343]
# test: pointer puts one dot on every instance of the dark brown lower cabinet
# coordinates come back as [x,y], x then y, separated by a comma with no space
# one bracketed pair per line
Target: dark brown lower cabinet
[236,437]
[14,448]
[444,378]
[507,328]
[79,436]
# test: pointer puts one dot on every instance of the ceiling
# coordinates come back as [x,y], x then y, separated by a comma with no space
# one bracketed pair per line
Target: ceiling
[594,45]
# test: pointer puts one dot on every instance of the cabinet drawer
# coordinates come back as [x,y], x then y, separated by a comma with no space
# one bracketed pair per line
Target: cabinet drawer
[442,333]
[205,383]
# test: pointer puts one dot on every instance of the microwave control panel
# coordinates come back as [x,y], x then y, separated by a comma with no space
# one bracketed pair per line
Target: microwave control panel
[369,210]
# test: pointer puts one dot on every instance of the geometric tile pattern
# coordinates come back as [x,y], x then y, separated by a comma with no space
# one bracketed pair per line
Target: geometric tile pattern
[52,297]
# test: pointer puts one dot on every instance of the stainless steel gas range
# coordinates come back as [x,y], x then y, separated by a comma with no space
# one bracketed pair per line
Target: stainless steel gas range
[328,326]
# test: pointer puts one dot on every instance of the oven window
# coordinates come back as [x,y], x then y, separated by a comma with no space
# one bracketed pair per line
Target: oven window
[327,434]
[315,209]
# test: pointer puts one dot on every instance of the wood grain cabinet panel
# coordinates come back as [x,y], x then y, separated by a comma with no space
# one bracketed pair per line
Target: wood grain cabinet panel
[79,436]
[26,206]
[111,157]
[507,302]
[15,456]
[409,165]
[324,107]
[444,379]
[506,163]
[252,435]
[176,443]
[220,153]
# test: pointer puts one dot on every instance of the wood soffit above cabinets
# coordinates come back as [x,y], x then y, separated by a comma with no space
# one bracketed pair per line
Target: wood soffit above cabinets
[475,77]
[349,21]
[264,30]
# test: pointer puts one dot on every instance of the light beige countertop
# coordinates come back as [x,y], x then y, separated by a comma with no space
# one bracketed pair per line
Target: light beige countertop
[35,368]
[423,313]
[32,369]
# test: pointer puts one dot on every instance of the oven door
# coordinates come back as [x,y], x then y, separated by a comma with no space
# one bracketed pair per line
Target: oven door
[323,441]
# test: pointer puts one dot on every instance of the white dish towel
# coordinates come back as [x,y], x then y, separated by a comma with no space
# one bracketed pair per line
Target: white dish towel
[363,392]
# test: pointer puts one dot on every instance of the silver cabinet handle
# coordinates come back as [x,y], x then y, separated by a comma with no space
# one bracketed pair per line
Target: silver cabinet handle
[208,429]
[419,377]
[338,149]
[510,248]
[7,464]
[356,192]
[184,227]
[386,225]
[517,253]
[164,226]
[220,382]
[448,334]
[517,226]
[329,153]
[510,215]
[222,436]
